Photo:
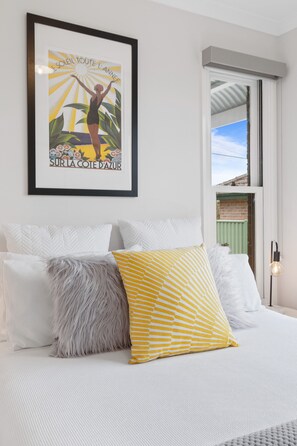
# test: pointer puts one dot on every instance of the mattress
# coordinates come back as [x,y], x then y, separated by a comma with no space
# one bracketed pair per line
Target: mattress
[200,399]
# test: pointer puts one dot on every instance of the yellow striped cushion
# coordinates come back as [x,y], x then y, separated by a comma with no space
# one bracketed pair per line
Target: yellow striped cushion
[173,303]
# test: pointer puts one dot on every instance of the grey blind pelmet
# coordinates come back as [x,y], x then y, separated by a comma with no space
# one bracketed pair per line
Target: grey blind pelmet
[245,63]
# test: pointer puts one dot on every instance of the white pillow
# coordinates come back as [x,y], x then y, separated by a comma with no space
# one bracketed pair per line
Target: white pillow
[251,300]
[109,257]
[7,256]
[52,240]
[25,258]
[28,304]
[161,234]
[228,286]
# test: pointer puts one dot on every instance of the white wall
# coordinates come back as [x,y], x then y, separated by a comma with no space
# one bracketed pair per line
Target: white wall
[170,44]
[288,168]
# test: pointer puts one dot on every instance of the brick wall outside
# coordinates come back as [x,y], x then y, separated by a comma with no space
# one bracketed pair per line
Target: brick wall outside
[232,210]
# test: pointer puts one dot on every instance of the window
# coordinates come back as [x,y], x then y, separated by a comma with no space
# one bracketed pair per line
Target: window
[230,136]
[235,158]
[235,223]
[235,130]
[239,153]
[229,147]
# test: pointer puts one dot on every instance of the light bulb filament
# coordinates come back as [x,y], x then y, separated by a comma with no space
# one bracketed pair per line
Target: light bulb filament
[275,268]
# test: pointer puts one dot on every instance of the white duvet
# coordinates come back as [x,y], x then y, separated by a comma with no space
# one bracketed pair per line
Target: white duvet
[197,399]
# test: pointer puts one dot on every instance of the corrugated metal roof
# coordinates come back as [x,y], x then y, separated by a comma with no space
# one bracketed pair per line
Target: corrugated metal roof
[225,96]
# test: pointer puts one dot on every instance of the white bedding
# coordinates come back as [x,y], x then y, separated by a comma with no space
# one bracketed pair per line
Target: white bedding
[198,399]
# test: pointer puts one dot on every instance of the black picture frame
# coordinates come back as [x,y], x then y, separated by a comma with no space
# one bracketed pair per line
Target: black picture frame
[33,188]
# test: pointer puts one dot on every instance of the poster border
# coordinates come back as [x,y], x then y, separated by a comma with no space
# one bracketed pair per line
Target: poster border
[32,19]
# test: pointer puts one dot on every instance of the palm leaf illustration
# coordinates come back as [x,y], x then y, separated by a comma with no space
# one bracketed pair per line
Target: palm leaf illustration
[56,136]
[110,121]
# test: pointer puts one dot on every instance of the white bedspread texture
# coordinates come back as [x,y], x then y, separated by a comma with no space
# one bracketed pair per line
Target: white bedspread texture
[192,400]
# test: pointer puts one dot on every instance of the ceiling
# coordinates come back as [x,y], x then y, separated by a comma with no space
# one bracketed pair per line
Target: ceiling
[226,96]
[274,17]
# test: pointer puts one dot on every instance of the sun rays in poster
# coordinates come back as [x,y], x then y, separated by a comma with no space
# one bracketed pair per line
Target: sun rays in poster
[81,89]
[63,89]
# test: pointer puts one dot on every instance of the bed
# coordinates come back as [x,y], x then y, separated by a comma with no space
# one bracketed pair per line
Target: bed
[200,399]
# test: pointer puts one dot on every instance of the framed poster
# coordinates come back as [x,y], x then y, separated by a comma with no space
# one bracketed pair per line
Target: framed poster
[82,110]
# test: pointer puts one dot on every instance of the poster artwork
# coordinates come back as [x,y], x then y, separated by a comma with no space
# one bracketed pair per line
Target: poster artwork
[84,113]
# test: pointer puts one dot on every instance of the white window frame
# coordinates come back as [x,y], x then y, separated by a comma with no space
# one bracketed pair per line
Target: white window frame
[266,195]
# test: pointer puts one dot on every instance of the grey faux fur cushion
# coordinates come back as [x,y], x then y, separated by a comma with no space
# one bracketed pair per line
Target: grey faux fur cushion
[90,306]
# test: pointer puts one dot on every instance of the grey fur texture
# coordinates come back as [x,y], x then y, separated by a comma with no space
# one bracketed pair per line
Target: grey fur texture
[90,306]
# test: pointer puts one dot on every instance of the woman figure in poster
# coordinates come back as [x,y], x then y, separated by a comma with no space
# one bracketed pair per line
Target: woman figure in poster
[93,115]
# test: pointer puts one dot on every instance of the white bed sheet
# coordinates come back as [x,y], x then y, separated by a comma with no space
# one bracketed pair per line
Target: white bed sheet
[197,399]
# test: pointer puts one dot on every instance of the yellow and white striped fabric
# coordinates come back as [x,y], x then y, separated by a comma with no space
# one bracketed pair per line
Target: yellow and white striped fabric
[173,303]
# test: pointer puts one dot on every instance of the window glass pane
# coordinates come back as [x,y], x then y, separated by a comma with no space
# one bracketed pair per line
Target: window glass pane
[236,223]
[230,133]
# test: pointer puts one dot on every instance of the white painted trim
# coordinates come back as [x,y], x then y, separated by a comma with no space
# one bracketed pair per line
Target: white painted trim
[208,193]
[270,179]
[237,189]
[259,240]
[231,77]
[254,135]
[280,177]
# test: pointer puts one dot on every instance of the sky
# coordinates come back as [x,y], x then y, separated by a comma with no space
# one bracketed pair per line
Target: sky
[230,140]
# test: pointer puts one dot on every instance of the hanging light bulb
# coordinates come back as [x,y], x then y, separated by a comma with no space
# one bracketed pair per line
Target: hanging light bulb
[276,267]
